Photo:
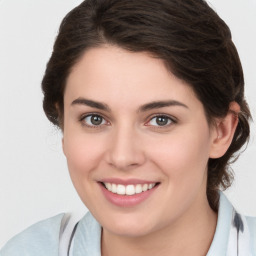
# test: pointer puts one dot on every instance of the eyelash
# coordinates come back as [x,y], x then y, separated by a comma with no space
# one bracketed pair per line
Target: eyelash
[170,121]
[82,120]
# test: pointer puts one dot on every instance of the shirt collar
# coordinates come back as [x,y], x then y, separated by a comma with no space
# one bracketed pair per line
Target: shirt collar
[87,239]
[221,236]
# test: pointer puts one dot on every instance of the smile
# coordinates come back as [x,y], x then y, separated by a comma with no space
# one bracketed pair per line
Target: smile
[128,193]
[129,189]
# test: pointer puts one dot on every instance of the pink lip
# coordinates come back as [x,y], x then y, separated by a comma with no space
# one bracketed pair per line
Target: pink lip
[126,182]
[124,200]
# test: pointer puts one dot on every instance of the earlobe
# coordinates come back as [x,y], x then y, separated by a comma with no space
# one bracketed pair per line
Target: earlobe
[224,131]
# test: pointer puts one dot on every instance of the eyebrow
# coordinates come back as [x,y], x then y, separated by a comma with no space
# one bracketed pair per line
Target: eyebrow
[91,103]
[161,104]
[143,108]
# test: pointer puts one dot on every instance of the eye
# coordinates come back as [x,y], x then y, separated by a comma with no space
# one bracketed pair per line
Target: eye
[160,120]
[93,120]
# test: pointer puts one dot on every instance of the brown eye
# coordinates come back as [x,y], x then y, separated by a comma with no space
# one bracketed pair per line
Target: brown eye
[94,120]
[160,121]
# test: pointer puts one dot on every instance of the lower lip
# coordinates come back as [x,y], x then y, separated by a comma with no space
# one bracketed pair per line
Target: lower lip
[124,200]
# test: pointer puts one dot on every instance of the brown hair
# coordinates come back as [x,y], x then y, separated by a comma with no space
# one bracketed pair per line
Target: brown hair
[193,41]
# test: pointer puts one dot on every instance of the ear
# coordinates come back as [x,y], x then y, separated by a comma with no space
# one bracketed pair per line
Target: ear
[62,141]
[223,131]
[63,147]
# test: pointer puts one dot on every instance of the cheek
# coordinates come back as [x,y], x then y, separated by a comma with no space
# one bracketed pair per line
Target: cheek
[82,152]
[183,156]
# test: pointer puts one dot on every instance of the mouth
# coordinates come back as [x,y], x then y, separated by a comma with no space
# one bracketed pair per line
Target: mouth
[129,189]
[127,193]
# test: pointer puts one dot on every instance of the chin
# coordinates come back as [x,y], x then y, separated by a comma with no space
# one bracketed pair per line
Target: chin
[129,226]
[130,231]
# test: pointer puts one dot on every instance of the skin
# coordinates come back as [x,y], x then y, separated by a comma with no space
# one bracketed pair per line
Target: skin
[129,144]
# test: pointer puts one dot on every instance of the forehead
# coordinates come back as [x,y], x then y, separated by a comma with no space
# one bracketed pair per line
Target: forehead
[113,74]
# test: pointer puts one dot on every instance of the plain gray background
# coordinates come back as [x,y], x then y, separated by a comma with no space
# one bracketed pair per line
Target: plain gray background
[34,180]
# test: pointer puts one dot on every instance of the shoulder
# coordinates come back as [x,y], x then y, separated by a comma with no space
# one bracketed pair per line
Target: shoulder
[235,233]
[242,236]
[39,239]
[251,222]
[87,237]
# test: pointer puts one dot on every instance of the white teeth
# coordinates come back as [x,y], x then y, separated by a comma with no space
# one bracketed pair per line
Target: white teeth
[145,187]
[114,188]
[128,189]
[108,186]
[120,189]
[138,188]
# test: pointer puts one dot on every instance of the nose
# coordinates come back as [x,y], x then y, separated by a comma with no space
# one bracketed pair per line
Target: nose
[125,149]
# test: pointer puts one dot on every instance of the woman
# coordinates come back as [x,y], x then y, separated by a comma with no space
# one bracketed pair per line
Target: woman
[149,96]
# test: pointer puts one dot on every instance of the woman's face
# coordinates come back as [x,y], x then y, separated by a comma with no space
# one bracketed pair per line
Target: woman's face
[130,125]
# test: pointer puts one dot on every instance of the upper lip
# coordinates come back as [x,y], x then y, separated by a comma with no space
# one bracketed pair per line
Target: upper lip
[127,181]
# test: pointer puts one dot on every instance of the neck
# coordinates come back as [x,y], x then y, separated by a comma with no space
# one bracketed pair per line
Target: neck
[191,234]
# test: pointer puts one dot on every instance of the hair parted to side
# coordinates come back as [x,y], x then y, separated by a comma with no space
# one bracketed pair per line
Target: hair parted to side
[193,41]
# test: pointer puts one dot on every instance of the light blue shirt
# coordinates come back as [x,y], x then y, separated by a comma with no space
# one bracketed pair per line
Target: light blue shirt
[235,236]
